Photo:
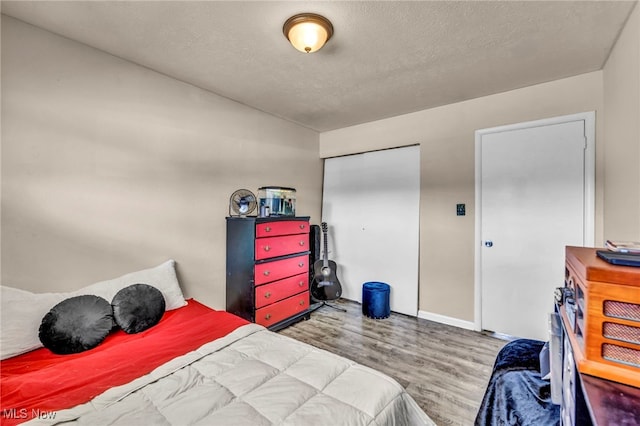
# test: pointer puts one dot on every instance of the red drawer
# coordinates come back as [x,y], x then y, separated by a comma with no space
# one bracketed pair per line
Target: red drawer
[279,269]
[280,246]
[273,292]
[283,309]
[284,227]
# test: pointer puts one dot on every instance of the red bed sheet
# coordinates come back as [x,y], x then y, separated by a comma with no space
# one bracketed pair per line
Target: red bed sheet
[38,383]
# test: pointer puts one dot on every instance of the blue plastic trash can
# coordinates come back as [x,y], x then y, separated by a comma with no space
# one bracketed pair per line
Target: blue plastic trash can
[375,300]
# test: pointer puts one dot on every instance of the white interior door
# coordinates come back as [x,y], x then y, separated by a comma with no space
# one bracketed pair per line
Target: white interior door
[371,206]
[534,201]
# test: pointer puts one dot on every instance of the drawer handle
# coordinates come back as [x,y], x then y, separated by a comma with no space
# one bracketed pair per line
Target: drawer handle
[266,273]
[301,264]
[301,302]
[301,243]
[267,229]
[267,295]
[267,248]
[302,226]
[267,317]
[301,283]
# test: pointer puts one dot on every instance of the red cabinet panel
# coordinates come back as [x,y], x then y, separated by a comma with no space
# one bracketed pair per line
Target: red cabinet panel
[283,309]
[278,269]
[278,290]
[285,227]
[280,246]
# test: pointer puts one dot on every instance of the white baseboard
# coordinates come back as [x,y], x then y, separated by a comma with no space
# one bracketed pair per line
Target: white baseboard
[468,325]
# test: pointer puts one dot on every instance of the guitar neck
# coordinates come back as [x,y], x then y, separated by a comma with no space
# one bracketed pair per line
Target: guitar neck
[325,252]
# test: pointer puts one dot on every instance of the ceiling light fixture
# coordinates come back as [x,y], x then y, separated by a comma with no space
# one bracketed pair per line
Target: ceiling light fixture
[307,32]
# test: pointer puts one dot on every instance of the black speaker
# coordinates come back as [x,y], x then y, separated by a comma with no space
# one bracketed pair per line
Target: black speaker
[314,246]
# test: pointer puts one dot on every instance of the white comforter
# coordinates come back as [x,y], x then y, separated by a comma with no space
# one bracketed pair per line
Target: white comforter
[252,377]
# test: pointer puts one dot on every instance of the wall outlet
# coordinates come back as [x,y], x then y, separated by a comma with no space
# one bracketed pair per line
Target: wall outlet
[460,210]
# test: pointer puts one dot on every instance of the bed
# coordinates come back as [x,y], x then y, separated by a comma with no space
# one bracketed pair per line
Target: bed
[195,366]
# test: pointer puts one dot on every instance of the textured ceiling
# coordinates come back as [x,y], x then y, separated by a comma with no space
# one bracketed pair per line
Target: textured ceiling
[385,58]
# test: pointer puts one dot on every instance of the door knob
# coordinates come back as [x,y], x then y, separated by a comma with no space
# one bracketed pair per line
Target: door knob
[488,243]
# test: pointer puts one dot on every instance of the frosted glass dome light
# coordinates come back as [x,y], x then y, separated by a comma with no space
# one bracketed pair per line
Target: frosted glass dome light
[307,32]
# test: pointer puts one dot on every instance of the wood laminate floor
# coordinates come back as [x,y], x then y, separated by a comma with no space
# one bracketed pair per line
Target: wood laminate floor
[445,369]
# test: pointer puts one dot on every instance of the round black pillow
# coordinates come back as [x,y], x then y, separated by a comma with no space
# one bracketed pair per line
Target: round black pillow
[138,307]
[76,324]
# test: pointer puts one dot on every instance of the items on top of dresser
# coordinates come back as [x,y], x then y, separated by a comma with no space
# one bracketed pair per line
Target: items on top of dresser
[277,201]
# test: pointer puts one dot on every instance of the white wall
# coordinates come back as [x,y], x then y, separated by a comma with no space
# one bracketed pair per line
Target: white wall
[109,167]
[622,135]
[446,138]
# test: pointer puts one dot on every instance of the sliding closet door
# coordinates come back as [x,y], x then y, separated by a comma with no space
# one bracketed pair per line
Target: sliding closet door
[371,206]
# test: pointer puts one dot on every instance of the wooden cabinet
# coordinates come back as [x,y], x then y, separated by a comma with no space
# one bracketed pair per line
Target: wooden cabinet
[268,269]
[604,319]
[600,315]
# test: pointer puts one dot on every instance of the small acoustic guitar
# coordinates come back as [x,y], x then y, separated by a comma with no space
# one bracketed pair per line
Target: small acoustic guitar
[325,285]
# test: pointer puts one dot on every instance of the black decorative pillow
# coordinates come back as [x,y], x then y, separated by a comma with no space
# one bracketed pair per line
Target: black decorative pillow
[138,307]
[76,324]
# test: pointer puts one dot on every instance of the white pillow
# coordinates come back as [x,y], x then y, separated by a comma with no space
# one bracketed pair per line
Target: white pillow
[22,311]
[20,318]
[163,277]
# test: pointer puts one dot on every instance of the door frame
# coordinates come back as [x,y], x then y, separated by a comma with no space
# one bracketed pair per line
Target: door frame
[589,190]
